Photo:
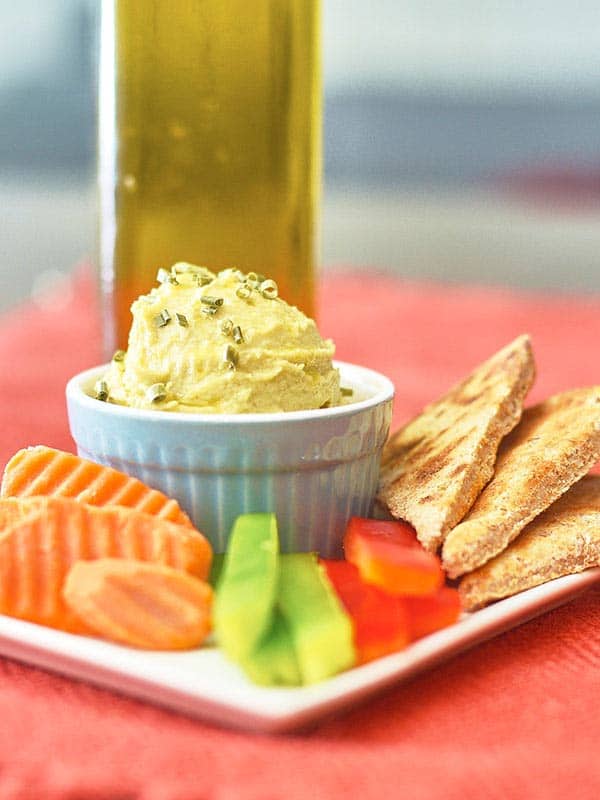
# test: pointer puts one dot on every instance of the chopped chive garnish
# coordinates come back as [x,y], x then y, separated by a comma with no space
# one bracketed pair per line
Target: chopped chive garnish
[210,311]
[101,391]
[119,355]
[268,289]
[244,291]
[230,356]
[157,393]
[209,300]
[182,320]
[238,336]
[346,392]
[227,327]
[162,319]
[254,279]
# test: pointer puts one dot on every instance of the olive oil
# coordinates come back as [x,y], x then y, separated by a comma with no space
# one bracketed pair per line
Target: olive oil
[209,144]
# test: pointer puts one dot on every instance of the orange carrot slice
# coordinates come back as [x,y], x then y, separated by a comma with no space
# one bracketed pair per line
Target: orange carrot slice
[44,471]
[144,605]
[46,536]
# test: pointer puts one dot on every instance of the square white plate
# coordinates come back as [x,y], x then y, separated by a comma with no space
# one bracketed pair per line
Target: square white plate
[202,684]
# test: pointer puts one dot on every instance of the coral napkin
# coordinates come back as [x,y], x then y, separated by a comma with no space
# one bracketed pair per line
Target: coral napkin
[513,718]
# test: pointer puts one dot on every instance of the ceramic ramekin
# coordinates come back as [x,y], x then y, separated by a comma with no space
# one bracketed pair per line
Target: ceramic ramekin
[314,469]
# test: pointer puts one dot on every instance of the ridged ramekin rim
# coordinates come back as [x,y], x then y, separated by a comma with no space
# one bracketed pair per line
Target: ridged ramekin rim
[76,394]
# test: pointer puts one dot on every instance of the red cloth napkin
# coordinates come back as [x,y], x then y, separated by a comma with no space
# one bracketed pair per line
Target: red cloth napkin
[513,718]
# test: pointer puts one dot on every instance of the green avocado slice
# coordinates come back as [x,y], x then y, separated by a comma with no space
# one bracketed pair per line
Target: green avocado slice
[247,585]
[320,629]
[274,662]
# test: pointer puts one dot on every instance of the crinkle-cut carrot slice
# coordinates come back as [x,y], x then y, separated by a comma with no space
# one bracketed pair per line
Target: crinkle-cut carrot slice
[127,532]
[45,536]
[44,471]
[140,604]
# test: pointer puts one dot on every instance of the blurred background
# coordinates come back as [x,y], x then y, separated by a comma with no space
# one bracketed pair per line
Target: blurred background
[462,141]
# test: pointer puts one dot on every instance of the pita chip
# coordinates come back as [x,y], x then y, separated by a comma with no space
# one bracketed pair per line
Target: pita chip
[555,444]
[435,466]
[562,540]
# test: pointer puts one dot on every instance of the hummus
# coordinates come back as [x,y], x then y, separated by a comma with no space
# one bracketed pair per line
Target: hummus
[224,343]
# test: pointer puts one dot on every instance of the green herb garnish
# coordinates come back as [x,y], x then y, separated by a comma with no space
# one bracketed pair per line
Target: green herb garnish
[244,291]
[157,393]
[101,389]
[230,357]
[182,320]
[209,300]
[268,288]
[238,336]
[162,319]
[227,327]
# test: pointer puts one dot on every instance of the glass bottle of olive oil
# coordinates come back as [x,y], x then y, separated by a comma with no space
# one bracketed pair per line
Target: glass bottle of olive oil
[209,144]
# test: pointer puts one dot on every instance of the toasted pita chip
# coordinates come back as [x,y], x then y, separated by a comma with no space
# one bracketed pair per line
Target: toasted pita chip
[435,466]
[555,444]
[563,540]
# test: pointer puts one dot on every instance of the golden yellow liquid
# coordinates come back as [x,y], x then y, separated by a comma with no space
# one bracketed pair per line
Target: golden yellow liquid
[210,144]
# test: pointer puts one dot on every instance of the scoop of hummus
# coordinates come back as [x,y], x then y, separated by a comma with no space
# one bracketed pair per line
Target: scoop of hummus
[221,343]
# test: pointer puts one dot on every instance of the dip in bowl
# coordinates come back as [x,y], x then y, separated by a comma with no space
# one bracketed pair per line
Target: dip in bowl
[222,343]
[228,399]
[314,468]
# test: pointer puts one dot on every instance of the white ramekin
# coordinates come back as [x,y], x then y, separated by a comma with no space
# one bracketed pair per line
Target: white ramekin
[315,469]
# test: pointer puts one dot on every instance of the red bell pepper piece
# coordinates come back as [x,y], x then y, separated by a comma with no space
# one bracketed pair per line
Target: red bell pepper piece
[432,612]
[381,623]
[389,555]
